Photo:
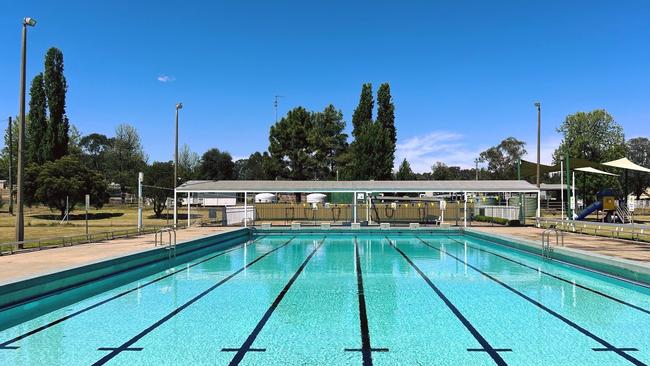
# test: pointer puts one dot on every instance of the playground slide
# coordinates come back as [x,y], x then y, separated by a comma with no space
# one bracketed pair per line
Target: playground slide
[591,208]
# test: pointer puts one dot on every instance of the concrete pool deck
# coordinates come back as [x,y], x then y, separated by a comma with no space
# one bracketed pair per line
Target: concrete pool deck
[617,248]
[29,264]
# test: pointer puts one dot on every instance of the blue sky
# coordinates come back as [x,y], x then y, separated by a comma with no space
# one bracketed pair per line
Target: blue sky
[464,74]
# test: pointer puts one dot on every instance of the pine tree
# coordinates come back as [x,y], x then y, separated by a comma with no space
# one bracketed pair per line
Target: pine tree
[55,90]
[363,113]
[38,150]
[405,172]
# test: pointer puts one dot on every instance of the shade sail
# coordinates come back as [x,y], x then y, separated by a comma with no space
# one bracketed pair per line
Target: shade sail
[594,171]
[625,163]
[529,169]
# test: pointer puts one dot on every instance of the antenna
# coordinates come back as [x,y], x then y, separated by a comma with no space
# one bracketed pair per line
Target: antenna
[277,97]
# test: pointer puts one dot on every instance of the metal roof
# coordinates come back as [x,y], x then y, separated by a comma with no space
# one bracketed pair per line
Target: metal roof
[307,186]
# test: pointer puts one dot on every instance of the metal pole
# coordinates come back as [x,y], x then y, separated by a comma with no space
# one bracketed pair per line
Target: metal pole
[465,209]
[569,212]
[175,209]
[573,190]
[354,207]
[11,168]
[176,151]
[20,221]
[189,216]
[87,204]
[539,129]
[140,179]
[561,188]
[245,208]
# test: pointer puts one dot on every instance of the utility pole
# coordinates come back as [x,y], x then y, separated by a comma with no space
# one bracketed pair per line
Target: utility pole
[277,98]
[178,106]
[539,129]
[476,170]
[20,220]
[11,169]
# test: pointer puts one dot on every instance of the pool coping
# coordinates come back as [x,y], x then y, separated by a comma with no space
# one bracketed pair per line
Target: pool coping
[29,288]
[620,268]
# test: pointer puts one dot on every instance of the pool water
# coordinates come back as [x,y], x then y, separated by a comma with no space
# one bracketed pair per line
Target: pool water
[341,299]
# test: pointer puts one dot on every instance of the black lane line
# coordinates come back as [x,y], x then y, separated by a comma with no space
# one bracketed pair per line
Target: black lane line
[610,297]
[493,352]
[366,348]
[608,346]
[126,345]
[246,346]
[4,345]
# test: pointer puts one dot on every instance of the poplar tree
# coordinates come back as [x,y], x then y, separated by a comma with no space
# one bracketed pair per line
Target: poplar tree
[55,90]
[363,113]
[386,119]
[38,150]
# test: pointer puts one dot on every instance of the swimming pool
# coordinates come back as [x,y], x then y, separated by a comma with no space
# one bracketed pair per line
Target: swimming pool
[344,299]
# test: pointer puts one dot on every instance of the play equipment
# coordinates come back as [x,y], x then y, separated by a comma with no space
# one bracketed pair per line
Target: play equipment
[606,202]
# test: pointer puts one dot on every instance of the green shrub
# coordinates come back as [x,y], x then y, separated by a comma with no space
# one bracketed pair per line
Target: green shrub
[496,220]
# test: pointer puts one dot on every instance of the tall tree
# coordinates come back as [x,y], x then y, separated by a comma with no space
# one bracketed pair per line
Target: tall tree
[126,158]
[327,142]
[188,164]
[38,149]
[367,154]
[64,182]
[258,166]
[95,149]
[217,165]
[289,143]
[639,153]
[405,172]
[157,176]
[363,113]
[55,90]
[502,159]
[386,118]
[440,171]
[593,136]
[4,156]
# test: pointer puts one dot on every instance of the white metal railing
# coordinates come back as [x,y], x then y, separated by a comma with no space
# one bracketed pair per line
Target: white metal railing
[504,212]
[546,240]
[622,231]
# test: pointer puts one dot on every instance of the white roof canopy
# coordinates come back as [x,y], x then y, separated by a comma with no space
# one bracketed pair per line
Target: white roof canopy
[595,171]
[625,163]
[309,186]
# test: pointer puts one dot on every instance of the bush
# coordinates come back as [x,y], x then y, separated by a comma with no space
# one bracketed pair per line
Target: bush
[496,220]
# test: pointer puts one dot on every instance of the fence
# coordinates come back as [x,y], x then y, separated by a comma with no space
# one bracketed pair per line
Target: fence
[504,212]
[63,241]
[423,213]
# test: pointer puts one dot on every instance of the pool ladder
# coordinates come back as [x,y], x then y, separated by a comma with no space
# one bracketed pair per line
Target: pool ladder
[171,245]
[546,240]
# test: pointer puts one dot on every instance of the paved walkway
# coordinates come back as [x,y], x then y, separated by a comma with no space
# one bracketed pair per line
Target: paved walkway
[613,247]
[23,265]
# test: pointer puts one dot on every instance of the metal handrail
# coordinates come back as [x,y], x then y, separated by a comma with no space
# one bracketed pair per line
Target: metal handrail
[546,240]
[171,246]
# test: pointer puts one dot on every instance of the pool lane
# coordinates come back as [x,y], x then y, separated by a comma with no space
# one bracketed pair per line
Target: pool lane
[407,316]
[9,343]
[547,333]
[76,340]
[609,321]
[212,330]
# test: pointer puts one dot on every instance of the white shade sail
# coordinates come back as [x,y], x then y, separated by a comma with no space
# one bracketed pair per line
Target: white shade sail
[594,171]
[624,163]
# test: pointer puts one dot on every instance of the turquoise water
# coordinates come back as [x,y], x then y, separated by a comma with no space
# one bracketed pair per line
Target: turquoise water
[349,300]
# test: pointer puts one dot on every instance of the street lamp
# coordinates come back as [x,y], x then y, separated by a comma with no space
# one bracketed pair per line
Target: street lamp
[179,105]
[20,221]
[538,105]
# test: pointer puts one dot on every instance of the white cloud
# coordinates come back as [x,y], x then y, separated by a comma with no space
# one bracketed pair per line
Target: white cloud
[166,78]
[425,150]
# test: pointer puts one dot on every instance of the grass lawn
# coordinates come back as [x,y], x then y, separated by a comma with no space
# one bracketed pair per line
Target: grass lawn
[41,223]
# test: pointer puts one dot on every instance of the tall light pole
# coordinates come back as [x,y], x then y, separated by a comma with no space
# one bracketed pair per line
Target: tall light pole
[11,167]
[179,105]
[539,129]
[20,220]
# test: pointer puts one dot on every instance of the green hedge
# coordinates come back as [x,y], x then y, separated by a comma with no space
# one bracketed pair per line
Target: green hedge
[496,220]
